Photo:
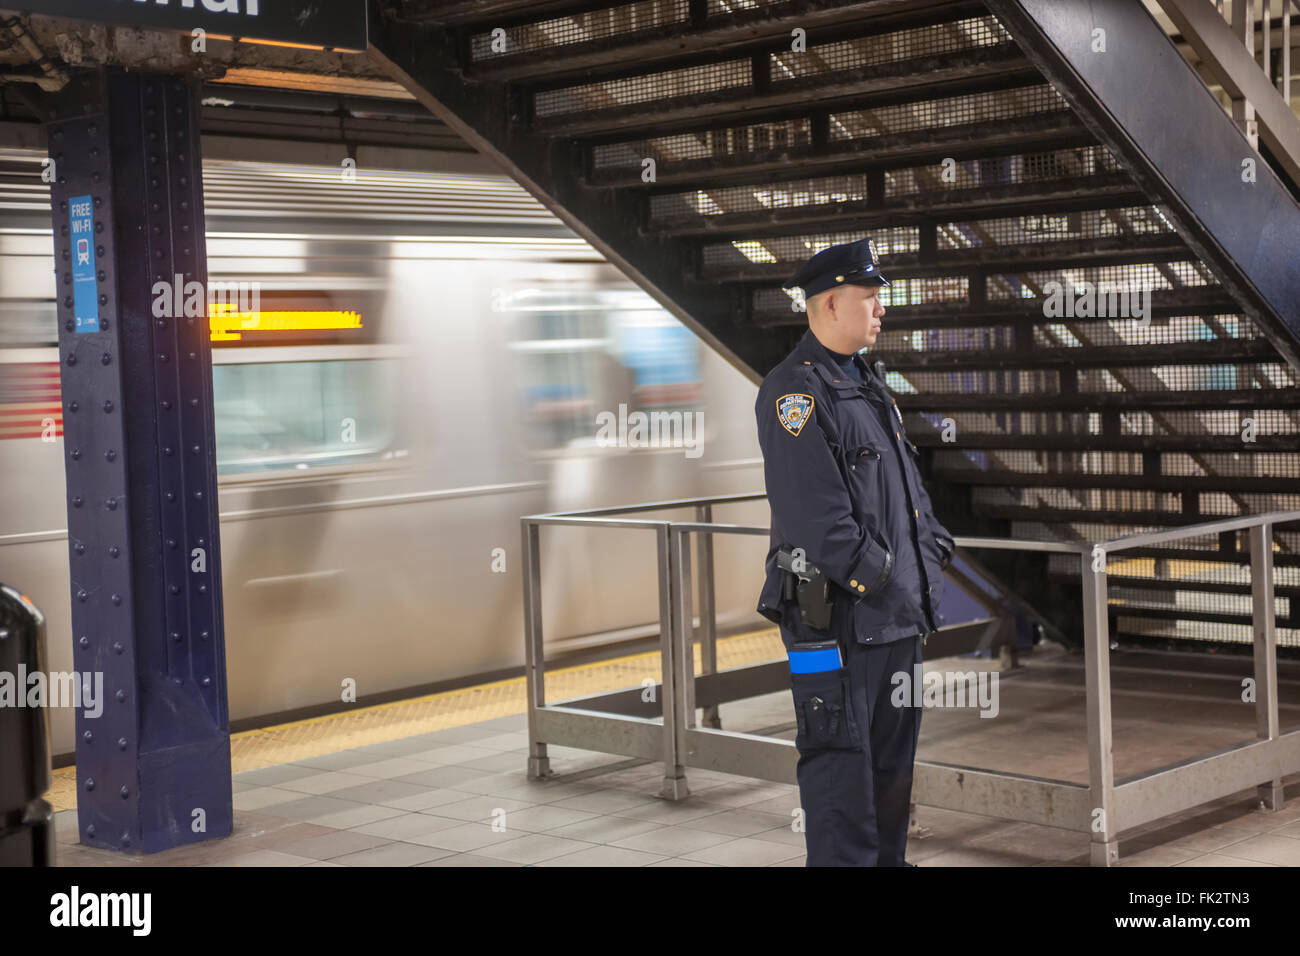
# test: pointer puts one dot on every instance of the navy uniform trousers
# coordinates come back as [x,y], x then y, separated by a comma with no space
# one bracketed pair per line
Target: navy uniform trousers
[856,793]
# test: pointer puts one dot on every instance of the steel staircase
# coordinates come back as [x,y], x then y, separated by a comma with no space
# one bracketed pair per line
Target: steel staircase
[709,146]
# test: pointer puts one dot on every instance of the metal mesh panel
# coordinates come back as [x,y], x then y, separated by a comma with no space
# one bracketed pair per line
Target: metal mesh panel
[1200,631]
[1221,504]
[1032,382]
[971,425]
[1197,377]
[647,88]
[783,195]
[1167,275]
[864,52]
[1202,601]
[948,111]
[626,20]
[1042,462]
[1079,499]
[1186,570]
[1270,421]
[797,249]
[1000,170]
[706,144]
[1073,532]
[1021,230]
[990,338]
[903,292]
[1236,464]
[1158,331]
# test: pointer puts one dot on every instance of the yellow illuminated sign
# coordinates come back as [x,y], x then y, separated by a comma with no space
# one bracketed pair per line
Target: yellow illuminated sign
[227,322]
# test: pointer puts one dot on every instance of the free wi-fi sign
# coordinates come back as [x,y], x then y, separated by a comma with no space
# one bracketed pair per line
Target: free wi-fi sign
[330,24]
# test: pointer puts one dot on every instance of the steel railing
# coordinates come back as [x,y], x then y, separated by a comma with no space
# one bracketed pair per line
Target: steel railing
[665,729]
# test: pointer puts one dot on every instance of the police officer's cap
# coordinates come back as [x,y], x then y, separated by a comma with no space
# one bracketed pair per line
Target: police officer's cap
[849,263]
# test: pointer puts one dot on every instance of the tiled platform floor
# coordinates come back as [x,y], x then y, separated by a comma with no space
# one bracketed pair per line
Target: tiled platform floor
[429,800]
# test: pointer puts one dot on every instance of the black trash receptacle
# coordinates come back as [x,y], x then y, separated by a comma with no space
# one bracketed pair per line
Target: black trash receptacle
[26,819]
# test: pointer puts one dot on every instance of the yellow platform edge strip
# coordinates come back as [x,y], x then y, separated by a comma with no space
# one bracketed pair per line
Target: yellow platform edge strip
[379,723]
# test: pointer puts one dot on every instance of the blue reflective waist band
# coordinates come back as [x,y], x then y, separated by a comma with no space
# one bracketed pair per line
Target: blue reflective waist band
[815,662]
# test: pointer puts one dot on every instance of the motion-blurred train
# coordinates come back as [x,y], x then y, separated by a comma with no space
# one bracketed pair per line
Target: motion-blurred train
[427,362]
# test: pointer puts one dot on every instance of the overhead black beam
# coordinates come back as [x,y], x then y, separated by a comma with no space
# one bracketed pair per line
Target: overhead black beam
[1174,353]
[1039,197]
[987,68]
[1064,516]
[680,43]
[1007,478]
[1118,583]
[925,436]
[1028,134]
[1017,258]
[1202,300]
[1181,400]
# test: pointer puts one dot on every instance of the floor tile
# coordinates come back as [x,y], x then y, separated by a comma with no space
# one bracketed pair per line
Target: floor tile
[485,808]
[466,838]
[356,816]
[672,841]
[532,848]
[265,858]
[737,822]
[270,776]
[469,859]
[604,829]
[604,856]
[743,852]
[1267,848]
[329,845]
[326,782]
[393,854]
[406,825]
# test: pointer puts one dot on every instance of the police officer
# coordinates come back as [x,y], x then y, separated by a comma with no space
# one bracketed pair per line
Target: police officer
[855,569]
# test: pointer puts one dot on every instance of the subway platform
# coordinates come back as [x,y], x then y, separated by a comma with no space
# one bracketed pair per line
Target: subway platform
[459,795]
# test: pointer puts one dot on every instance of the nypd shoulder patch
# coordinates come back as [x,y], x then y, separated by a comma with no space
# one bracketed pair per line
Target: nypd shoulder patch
[793,411]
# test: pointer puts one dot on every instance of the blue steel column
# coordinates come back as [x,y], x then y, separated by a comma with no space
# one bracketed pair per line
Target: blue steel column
[153,771]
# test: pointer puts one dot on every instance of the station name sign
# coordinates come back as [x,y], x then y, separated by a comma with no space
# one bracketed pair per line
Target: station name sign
[336,24]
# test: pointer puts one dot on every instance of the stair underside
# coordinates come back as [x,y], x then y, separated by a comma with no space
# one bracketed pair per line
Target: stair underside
[926,126]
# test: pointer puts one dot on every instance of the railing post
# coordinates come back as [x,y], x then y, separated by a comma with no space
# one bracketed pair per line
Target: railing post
[1286,51]
[708,632]
[1104,849]
[1267,725]
[670,554]
[1243,111]
[539,765]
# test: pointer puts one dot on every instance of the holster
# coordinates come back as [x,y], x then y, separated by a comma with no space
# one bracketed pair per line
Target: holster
[810,587]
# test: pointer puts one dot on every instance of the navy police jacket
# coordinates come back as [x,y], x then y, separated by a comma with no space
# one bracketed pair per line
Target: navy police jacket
[843,485]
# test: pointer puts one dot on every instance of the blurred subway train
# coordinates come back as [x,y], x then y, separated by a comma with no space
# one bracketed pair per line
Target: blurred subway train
[426,362]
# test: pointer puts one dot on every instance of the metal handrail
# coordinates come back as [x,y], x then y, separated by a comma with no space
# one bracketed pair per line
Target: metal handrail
[594,517]
[1102,809]
[1145,538]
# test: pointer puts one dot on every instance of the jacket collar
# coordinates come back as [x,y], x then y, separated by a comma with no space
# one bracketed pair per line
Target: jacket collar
[811,350]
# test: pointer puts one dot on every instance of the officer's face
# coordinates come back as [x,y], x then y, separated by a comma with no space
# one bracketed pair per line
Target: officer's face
[857,313]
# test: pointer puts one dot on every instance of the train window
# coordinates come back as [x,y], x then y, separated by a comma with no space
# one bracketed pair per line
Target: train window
[299,415]
[585,351]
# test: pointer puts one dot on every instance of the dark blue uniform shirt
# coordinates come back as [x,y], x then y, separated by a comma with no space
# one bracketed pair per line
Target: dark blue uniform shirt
[843,485]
